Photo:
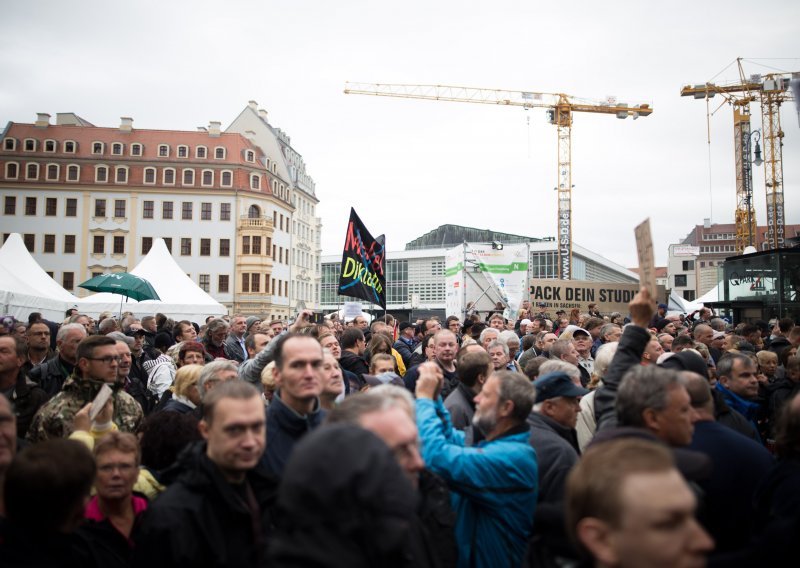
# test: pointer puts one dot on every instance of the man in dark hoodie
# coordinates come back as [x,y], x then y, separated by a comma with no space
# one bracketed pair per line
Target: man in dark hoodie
[295,409]
[218,507]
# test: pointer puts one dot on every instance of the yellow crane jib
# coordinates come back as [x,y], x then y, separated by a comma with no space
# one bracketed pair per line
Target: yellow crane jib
[560,108]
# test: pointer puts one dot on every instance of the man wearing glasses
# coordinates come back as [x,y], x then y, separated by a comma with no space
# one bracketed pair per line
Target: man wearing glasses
[97,365]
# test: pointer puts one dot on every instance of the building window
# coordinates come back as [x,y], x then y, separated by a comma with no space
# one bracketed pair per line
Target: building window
[222,284]
[10,144]
[71,209]
[50,207]
[136,149]
[208,177]
[183,151]
[99,207]
[10,207]
[30,145]
[49,243]
[69,146]
[680,280]
[30,241]
[250,156]
[150,175]
[245,282]
[147,211]
[69,244]
[689,295]
[163,150]
[688,265]
[147,244]
[97,147]
[205,247]
[12,170]
[204,281]
[49,145]
[166,210]
[201,152]
[99,244]
[30,206]
[119,208]
[73,172]
[101,174]
[186,211]
[186,247]
[219,153]
[256,245]
[255,182]
[205,212]
[122,174]
[225,212]
[227,178]
[224,247]
[168,243]
[188,177]
[168,176]
[68,281]
[116,149]
[119,245]
[245,245]
[32,171]
[255,282]
[52,172]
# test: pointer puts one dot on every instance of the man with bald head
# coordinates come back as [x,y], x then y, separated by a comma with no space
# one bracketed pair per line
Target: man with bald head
[703,333]
[445,347]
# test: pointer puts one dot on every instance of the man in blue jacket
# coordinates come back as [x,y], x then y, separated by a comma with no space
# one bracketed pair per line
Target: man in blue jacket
[494,484]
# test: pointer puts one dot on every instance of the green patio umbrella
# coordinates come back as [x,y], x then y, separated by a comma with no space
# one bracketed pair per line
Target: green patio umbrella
[122,283]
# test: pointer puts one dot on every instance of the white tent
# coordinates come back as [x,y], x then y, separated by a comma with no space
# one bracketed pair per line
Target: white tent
[26,288]
[180,297]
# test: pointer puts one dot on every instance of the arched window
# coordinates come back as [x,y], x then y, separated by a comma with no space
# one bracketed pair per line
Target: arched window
[254,212]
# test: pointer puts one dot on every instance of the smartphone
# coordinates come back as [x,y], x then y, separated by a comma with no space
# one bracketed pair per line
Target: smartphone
[317,318]
[100,401]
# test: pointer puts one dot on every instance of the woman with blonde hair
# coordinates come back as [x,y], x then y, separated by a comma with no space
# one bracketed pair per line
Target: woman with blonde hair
[185,394]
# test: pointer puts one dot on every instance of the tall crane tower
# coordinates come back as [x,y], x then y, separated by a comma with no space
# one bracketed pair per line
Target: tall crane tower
[772,90]
[560,109]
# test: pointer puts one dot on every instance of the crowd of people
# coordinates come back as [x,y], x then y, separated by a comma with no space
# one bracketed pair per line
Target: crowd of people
[577,439]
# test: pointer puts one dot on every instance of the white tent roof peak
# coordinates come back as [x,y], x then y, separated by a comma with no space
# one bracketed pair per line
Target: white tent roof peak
[16,260]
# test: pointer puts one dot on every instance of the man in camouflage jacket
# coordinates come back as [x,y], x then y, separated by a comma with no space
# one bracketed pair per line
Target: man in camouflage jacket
[97,364]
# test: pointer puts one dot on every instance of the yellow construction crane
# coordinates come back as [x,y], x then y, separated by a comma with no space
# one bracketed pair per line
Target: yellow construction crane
[772,90]
[560,108]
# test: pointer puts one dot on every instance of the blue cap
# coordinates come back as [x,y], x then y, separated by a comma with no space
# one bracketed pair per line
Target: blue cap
[556,384]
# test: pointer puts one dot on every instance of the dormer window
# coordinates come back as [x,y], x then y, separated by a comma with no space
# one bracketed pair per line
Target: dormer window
[136,149]
[116,149]
[10,144]
[183,151]
[69,146]
[250,156]
[201,152]
[219,153]
[49,145]
[30,145]
[163,150]
[97,147]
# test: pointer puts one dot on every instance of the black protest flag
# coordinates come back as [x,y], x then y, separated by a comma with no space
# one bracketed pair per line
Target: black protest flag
[363,274]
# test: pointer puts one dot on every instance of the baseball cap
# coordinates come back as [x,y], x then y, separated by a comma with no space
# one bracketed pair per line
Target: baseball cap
[576,330]
[526,321]
[405,325]
[556,384]
[718,335]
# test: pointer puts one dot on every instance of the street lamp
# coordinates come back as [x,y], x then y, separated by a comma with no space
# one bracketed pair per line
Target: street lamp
[757,160]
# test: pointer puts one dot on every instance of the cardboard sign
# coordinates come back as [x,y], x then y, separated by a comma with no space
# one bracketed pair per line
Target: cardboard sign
[647,263]
[565,295]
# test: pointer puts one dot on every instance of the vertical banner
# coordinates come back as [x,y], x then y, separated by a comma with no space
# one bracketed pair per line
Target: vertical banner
[647,264]
[363,259]
[454,281]
[507,271]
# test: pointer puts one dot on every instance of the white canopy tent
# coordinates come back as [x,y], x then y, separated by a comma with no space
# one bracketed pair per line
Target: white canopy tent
[180,297]
[26,288]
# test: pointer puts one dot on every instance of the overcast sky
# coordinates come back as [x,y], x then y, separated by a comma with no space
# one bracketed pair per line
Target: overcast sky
[409,166]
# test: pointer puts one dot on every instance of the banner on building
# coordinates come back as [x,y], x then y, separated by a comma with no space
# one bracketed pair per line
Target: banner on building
[454,281]
[506,270]
[363,262]
[565,295]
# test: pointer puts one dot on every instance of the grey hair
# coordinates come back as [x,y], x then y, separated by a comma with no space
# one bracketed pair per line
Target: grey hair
[607,328]
[602,359]
[725,364]
[121,337]
[498,343]
[509,336]
[485,332]
[644,387]
[392,395]
[216,324]
[517,388]
[210,372]
[65,329]
[376,399]
[555,365]
[560,347]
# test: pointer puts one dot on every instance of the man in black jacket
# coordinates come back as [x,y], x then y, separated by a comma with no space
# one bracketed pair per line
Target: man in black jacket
[218,508]
[26,396]
[353,346]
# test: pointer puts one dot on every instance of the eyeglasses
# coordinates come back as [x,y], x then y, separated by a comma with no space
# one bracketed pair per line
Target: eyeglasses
[108,359]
